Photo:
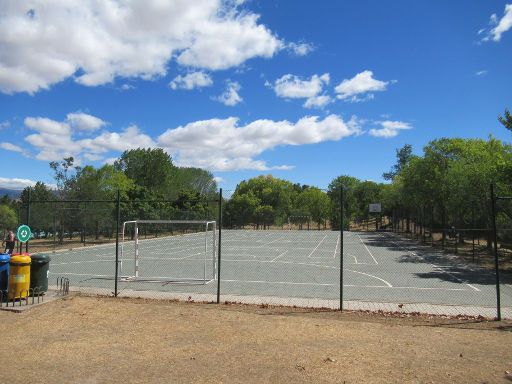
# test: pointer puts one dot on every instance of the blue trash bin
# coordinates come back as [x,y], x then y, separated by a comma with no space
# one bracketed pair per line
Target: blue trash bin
[4,275]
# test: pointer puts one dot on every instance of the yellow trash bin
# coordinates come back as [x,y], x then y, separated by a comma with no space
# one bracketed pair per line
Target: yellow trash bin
[19,277]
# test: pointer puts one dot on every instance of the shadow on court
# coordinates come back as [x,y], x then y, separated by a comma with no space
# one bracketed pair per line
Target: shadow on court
[447,267]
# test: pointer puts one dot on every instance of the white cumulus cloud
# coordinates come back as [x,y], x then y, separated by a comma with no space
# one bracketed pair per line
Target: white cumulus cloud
[55,140]
[14,183]
[389,128]
[300,49]
[359,87]
[230,96]
[293,87]
[84,121]
[11,147]
[317,101]
[223,145]
[191,80]
[497,27]
[43,42]
[215,144]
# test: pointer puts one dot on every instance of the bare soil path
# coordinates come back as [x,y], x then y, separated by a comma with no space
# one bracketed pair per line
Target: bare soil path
[104,340]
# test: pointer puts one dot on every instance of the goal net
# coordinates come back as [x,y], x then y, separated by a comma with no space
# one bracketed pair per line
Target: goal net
[173,251]
[299,222]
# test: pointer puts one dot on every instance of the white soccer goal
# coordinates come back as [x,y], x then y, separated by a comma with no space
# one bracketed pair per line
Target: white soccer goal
[169,251]
[299,221]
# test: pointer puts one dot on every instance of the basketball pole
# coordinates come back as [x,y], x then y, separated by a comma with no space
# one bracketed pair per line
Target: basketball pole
[220,247]
[496,264]
[118,211]
[341,248]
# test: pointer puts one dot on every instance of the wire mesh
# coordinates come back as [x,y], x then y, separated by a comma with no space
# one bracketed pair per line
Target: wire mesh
[430,259]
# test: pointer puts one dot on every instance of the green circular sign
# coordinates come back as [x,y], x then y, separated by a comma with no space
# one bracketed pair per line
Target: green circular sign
[23,234]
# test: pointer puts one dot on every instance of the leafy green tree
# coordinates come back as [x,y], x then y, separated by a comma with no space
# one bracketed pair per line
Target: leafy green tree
[403,156]
[241,208]
[316,204]
[151,168]
[270,191]
[506,120]
[195,179]
[8,219]
[42,208]
[6,200]
[65,175]
[451,179]
[264,215]
[349,185]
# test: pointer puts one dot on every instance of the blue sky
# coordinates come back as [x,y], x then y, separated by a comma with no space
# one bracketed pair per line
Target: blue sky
[305,91]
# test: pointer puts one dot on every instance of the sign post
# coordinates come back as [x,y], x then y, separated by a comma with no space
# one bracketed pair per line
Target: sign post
[375,208]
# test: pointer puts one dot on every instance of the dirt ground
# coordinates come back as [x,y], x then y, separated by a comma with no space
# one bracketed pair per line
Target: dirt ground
[105,340]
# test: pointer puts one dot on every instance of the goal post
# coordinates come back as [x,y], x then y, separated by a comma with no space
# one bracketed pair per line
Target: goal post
[171,251]
[299,221]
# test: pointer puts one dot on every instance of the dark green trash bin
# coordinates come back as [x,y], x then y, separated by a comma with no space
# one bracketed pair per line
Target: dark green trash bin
[39,271]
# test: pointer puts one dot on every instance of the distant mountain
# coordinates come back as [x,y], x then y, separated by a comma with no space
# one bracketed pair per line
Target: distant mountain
[12,193]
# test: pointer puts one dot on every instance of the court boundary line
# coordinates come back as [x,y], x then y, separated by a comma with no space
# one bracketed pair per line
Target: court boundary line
[362,242]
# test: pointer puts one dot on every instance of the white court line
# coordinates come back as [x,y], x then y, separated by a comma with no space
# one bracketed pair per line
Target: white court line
[367,249]
[142,257]
[367,274]
[238,254]
[355,258]
[336,248]
[313,265]
[282,254]
[80,274]
[336,285]
[270,242]
[313,251]
[83,262]
[280,282]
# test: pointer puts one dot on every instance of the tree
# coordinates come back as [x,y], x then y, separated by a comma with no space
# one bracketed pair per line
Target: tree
[264,214]
[42,208]
[506,120]
[349,184]
[151,168]
[316,204]
[195,179]
[270,191]
[365,193]
[452,180]
[403,156]
[240,209]
[65,175]
[8,219]
[98,184]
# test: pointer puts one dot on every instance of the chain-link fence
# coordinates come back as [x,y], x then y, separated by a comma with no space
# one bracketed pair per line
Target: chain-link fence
[224,248]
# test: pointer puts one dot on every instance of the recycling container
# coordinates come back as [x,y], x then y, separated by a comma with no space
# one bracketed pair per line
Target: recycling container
[39,271]
[4,274]
[19,276]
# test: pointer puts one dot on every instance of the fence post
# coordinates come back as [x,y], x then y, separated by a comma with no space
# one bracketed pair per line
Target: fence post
[220,246]
[118,219]
[341,248]
[496,265]
[28,214]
